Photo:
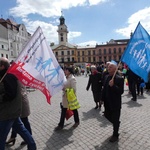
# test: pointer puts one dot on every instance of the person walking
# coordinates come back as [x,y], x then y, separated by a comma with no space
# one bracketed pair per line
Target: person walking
[95,81]
[71,83]
[10,107]
[25,112]
[111,96]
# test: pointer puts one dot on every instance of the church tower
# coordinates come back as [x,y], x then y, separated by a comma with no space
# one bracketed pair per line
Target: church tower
[62,31]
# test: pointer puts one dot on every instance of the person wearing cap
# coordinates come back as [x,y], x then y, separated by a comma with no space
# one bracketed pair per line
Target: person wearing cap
[95,81]
[111,96]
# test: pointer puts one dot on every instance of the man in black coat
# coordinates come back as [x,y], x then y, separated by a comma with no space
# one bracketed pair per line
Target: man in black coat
[95,81]
[111,96]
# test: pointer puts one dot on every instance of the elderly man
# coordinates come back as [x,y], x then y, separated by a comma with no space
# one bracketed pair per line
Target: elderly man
[111,96]
[10,107]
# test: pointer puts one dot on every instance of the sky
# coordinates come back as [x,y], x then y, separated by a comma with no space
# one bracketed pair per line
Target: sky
[89,22]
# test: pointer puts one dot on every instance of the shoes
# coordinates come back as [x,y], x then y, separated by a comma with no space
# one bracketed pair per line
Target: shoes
[23,143]
[11,140]
[113,139]
[96,107]
[58,128]
[75,125]
[133,99]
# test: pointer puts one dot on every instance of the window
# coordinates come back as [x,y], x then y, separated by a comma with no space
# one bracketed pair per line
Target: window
[72,58]
[2,55]
[89,52]
[56,53]
[82,53]
[104,51]
[83,59]
[114,50]
[99,51]
[62,39]
[89,59]
[7,56]
[94,59]
[11,53]
[79,53]
[78,59]
[2,46]
[109,50]
[119,50]
[62,52]
[72,52]
[94,52]
[68,52]
[68,59]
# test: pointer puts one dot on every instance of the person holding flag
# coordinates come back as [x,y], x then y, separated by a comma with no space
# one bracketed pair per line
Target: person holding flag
[111,96]
[10,107]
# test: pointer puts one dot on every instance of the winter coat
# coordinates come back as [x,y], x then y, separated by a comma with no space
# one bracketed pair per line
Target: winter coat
[10,98]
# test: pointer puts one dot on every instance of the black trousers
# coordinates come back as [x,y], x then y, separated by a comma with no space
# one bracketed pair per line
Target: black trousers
[113,116]
[63,115]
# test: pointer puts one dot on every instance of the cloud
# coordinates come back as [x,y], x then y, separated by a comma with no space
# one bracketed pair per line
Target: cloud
[89,43]
[72,35]
[51,9]
[48,8]
[95,2]
[48,29]
[143,16]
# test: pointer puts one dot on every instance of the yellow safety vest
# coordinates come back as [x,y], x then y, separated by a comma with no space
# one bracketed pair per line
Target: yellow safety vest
[72,99]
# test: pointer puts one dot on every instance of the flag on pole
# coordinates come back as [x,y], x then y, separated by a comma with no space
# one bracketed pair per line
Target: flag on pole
[37,67]
[137,53]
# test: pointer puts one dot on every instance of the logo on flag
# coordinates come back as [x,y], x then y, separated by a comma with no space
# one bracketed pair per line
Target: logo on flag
[37,67]
[137,53]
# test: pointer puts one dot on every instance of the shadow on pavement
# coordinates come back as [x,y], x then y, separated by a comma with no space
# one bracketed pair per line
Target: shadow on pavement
[59,139]
[107,145]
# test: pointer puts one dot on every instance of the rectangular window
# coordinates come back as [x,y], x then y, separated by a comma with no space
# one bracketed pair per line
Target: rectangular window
[68,52]
[62,52]
[82,53]
[2,46]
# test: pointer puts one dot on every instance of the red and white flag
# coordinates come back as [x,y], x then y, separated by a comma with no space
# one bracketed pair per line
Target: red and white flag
[37,67]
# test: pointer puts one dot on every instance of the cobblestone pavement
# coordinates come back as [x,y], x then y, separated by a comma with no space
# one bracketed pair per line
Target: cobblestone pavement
[94,130]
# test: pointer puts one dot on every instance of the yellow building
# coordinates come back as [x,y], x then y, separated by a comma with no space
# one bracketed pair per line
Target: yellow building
[69,54]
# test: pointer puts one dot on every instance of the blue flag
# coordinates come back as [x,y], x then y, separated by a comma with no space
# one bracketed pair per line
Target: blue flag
[137,53]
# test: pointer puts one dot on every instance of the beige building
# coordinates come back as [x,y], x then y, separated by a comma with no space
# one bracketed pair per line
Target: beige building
[67,53]
[13,38]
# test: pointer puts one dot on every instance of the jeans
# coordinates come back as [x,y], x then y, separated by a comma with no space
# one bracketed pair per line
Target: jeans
[18,126]
[26,124]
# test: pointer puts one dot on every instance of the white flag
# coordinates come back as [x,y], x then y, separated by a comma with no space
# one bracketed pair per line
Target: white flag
[37,67]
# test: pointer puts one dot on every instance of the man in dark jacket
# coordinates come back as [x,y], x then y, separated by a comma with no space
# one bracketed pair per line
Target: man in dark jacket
[111,96]
[95,81]
[10,107]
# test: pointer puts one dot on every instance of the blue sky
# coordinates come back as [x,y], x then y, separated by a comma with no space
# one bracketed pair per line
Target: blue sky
[88,21]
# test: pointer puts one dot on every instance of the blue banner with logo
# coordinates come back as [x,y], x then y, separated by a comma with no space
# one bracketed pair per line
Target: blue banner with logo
[137,53]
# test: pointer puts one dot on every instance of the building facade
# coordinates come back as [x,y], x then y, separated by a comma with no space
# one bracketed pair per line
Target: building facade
[13,38]
[67,53]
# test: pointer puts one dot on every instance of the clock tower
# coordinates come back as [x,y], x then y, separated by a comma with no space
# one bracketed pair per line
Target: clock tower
[62,31]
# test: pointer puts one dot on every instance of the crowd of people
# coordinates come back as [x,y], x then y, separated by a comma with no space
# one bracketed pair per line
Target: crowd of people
[107,86]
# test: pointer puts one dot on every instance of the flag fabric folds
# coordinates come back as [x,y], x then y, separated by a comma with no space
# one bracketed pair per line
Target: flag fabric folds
[37,67]
[137,53]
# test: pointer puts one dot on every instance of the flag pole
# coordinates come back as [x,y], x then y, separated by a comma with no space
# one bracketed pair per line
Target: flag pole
[3,77]
[116,70]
